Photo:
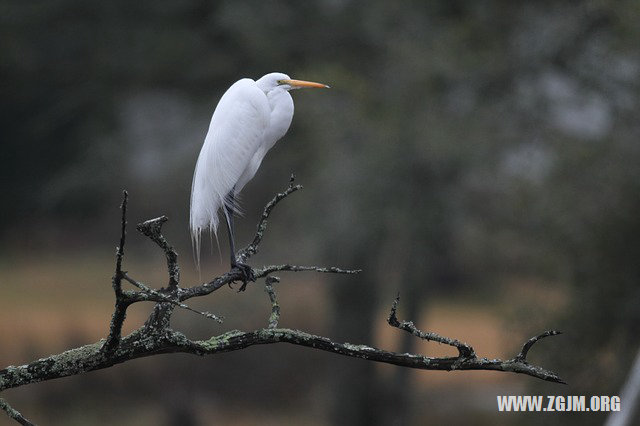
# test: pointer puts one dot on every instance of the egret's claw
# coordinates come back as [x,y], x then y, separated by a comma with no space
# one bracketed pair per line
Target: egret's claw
[247,274]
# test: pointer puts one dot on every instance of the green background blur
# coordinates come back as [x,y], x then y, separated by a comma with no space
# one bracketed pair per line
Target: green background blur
[481,158]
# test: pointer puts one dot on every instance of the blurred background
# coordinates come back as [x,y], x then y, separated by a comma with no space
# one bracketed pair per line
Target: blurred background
[481,158]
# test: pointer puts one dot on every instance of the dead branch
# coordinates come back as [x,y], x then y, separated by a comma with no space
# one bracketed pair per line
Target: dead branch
[157,337]
[14,414]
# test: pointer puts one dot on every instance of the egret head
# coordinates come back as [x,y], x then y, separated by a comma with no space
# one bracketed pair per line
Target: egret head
[283,81]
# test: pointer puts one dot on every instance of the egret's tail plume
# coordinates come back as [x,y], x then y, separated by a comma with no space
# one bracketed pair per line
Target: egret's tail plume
[196,241]
[195,247]
[204,217]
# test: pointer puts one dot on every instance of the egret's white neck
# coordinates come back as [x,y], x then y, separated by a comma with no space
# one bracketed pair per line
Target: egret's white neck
[281,105]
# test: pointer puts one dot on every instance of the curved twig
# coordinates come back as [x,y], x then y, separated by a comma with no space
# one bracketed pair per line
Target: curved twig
[464,350]
[522,356]
[253,247]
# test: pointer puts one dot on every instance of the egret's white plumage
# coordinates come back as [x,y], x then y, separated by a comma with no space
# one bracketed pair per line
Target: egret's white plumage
[249,119]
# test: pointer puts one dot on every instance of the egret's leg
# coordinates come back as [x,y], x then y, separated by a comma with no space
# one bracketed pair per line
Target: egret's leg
[246,270]
[228,214]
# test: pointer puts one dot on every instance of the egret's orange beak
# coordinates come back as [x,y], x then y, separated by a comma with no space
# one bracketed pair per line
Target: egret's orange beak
[302,84]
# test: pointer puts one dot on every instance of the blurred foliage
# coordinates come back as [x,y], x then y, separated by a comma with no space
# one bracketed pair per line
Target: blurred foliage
[465,148]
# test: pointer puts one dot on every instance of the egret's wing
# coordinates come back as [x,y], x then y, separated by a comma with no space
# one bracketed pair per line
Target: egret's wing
[235,133]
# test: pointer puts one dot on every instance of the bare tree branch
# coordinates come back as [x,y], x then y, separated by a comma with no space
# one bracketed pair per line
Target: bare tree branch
[14,414]
[153,229]
[522,356]
[156,336]
[275,307]
[464,350]
[159,297]
[252,248]
[139,344]
[117,320]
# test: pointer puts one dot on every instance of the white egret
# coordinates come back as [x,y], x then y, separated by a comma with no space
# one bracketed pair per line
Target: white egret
[249,119]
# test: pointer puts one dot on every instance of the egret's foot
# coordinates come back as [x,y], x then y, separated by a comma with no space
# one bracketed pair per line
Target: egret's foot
[247,274]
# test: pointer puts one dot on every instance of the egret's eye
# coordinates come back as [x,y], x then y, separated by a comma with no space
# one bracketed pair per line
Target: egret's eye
[281,82]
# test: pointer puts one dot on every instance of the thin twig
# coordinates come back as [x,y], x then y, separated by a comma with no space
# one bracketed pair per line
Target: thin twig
[522,356]
[153,229]
[275,307]
[120,250]
[160,318]
[266,270]
[234,275]
[464,350]
[14,414]
[253,247]
[120,310]
[168,299]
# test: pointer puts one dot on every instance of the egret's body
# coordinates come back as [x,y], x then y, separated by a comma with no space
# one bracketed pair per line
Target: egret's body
[249,119]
